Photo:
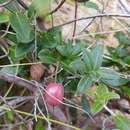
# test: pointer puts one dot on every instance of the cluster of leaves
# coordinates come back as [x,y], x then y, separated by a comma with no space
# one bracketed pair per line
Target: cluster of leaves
[87,66]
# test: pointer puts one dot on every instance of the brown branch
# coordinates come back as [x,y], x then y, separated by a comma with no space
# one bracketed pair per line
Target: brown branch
[74,31]
[53,11]
[22,4]
[89,24]
[15,102]
[19,81]
[95,16]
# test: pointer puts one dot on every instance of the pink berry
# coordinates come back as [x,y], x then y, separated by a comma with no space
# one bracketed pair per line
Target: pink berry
[54,94]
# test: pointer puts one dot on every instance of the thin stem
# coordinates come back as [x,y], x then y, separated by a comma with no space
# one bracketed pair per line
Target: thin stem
[95,16]
[109,110]
[97,33]
[53,11]
[41,117]
[74,31]
[21,64]
[6,31]
[5,3]
[22,4]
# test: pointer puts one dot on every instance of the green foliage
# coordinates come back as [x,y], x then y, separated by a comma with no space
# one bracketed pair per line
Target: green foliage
[64,54]
[85,104]
[21,26]
[4,18]
[84,70]
[93,60]
[87,58]
[23,49]
[77,66]
[68,50]
[122,123]
[122,38]
[10,115]
[127,60]
[85,83]
[12,6]
[111,77]
[52,38]
[119,56]
[42,7]
[125,90]
[100,97]
[92,5]
[9,70]
[47,56]
[39,125]
[97,55]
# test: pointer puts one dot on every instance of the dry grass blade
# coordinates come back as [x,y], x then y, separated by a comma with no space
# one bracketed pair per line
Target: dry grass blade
[41,117]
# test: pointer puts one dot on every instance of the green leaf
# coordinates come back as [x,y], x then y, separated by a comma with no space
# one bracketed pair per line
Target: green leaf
[87,58]
[98,101]
[66,66]
[13,6]
[69,51]
[40,125]
[12,54]
[10,115]
[47,56]
[52,38]
[31,12]
[48,40]
[78,48]
[12,38]
[122,52]
[97,55]
[122,38]
[77,66]
[108,96]
[111,77]
[42,7]
[4,18]
[57,34]
[85,104]
[97,106]
[122,122]
[100,98]
[84,84]
[3,83]
[22,49]
[95,76]
[102,89]
[65,50]
[71,87]
[102,92]
[88,128]
[91,5]
[9,70]
[62,50]
[125,90]
[127,60]
[21,26]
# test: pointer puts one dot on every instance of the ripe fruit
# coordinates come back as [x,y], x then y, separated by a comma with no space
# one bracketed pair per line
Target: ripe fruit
[54,94]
